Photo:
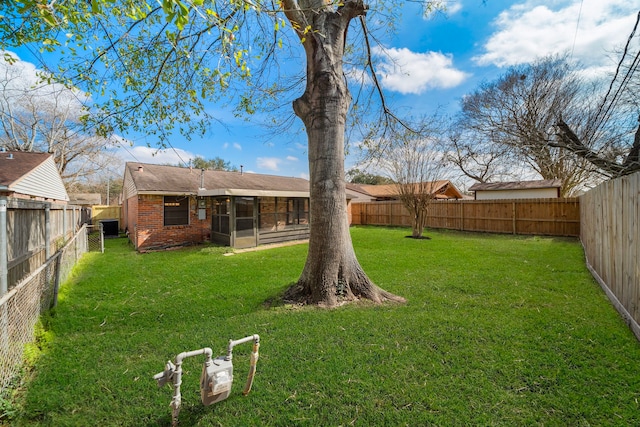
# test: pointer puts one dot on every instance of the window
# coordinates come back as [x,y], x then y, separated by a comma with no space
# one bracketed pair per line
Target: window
[297,211]
[176,210]
[267,214]
[277,214]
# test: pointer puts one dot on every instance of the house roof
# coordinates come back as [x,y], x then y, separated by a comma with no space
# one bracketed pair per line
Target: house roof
[159,179]
[516,185]
[86,199]
[15,164]
[356,193]
[31,174]
[443,189]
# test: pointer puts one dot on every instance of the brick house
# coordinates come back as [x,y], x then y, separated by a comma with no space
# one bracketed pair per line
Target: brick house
[168,206]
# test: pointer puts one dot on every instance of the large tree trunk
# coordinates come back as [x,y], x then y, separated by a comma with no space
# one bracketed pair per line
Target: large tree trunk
[332,273]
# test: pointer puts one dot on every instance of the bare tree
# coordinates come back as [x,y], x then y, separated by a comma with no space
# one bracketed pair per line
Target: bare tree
[613,143]
[518,111]
[477,158]
[37,114]
[414,162]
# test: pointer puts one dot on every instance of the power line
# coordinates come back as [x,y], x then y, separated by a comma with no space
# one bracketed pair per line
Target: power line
[601,115]
[575,35]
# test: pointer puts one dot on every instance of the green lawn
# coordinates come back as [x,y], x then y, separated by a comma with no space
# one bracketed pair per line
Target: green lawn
[497,330]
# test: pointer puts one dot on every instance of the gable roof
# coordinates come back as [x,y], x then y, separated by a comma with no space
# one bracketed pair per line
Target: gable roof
[15,164]
[443,189]
[31,174]
[173,180]
[516,185]
[356,193]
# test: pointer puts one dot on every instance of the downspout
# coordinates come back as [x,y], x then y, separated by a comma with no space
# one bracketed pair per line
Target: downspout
[4,272]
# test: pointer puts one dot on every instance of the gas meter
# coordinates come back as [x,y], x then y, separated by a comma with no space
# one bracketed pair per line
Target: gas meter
[216,380]
[217,375]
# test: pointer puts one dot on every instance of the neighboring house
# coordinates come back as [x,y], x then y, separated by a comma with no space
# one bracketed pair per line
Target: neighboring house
[356,193]
[96,214]
[33,176]
[167,206]
[85,199]
[441,189]
[541,189]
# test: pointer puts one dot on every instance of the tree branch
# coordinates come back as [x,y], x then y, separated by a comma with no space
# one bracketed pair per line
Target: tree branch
[387,112]
[570,141]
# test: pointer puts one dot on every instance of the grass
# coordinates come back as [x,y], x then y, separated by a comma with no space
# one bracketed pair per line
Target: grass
[497,330]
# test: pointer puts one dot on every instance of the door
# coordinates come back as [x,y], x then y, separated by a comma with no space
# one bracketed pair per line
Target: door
[245,222]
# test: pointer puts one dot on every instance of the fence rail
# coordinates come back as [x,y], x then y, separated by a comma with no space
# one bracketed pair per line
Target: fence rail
[553,217]
[610,218]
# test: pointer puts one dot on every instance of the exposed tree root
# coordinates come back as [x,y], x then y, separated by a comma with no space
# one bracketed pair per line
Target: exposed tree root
[297,294]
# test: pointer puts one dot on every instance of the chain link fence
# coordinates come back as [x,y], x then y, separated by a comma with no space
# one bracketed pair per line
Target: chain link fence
[21,307]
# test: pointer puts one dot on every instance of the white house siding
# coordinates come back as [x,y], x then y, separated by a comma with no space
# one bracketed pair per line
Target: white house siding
[43,181]
[530,193]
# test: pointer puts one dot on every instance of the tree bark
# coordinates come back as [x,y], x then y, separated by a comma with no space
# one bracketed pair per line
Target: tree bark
[332,274]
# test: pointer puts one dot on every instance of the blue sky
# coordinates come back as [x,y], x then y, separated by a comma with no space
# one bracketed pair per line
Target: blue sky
[437,61]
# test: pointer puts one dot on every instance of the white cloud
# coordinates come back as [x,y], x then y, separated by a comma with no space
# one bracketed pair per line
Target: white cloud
[448,7]
[154,155]
[536,28]
[269,163]
[235,145]
[24,83]
[408,72]
[453,7]
[275,163]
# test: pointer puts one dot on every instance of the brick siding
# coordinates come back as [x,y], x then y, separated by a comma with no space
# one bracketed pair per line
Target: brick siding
[145,219]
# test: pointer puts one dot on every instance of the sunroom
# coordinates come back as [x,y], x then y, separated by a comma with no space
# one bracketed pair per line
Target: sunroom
[168,206]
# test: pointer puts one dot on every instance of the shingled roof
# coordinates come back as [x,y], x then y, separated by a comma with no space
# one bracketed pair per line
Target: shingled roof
[443,189]
[16,164]
[31,174]
[160,179]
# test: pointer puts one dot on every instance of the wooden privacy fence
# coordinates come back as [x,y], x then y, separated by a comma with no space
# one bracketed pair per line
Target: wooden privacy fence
[611,240]
[35,231]
[551,217]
